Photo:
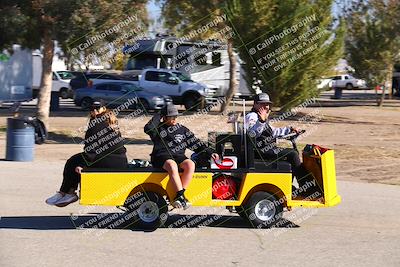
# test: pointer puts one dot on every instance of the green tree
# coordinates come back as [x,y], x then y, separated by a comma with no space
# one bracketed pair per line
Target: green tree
[373,41]
[37,23]
[93,17]
[288,67]
[254,21]
[36,27]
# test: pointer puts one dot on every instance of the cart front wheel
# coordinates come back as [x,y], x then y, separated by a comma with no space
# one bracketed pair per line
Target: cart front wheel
[263,210]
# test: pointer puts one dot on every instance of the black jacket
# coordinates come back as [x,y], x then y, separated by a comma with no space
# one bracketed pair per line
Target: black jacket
[172,140]
[102,140]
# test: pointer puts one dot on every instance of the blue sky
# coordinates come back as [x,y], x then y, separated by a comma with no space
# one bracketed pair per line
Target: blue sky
[154,12]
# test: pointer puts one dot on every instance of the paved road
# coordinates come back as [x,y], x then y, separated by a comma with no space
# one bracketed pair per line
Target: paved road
[362,231]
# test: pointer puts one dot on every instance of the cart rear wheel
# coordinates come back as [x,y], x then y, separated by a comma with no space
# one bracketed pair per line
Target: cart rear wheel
[263,210]
[149,210]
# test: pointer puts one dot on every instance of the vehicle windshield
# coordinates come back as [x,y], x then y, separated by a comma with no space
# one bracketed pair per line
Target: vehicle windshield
[66,75]
[130,87]
[182,76]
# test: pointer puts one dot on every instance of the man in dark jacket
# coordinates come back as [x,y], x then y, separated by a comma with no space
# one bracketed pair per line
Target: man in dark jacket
[171,140]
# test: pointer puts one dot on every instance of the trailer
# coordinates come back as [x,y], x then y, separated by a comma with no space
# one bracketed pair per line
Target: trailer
[16,75]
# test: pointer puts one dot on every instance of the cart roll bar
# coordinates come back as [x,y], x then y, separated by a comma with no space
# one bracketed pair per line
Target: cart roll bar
[244,132]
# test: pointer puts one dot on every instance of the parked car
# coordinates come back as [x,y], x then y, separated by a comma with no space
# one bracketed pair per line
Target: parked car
[178,86]
[347,81]
[118,93]
[89,78]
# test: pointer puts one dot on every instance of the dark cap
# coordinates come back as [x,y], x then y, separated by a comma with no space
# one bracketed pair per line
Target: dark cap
[262,98]
[97,105]
[170,111]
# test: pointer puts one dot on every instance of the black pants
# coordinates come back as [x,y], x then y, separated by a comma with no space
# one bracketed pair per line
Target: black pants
[292,156]
[158,160]
[71,178]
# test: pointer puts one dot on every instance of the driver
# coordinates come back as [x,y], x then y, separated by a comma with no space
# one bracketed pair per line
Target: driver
[258,127]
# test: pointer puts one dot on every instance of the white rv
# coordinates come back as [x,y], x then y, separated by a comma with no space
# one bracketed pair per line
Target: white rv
[205,62]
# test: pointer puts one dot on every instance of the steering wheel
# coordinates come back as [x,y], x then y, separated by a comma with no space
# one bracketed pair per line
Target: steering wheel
[292,136]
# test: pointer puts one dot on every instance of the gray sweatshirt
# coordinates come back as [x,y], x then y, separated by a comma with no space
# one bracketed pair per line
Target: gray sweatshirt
[255,127]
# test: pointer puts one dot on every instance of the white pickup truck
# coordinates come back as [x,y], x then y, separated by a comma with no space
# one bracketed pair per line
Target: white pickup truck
[183,91]
[347,81]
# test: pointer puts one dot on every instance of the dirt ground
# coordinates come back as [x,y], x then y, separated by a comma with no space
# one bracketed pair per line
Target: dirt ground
[366,139]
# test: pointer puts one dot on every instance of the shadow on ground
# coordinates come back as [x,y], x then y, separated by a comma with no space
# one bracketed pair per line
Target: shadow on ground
[109,221]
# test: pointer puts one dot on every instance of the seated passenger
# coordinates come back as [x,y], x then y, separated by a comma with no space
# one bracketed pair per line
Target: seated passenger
[170,141]
[258,127]
[104,148]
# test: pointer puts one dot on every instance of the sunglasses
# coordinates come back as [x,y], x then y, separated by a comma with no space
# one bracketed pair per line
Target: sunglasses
[171,117]
[95,108]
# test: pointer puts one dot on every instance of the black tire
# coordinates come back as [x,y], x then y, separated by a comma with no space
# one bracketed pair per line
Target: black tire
[349,86]
[35,93]
[64,93]
[256,215]
[86,103]
[149,210]
[193,102]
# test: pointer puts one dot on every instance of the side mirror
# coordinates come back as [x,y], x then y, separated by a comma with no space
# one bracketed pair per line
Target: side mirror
[172,80]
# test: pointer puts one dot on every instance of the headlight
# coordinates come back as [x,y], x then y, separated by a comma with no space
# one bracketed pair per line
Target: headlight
[202,90]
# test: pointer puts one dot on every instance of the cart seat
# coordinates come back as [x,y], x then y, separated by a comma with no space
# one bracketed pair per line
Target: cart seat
[281,166]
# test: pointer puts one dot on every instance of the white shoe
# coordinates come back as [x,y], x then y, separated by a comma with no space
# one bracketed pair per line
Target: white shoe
[66,200]
[52,200]
[181,202]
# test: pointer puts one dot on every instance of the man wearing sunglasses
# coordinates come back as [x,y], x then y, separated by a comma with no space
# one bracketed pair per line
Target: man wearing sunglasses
[264,137]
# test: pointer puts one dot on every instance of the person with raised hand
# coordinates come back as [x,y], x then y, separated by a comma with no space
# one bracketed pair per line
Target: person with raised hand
[171,140]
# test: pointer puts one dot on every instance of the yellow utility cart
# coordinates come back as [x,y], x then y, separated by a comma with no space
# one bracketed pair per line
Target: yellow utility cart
[263,189]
